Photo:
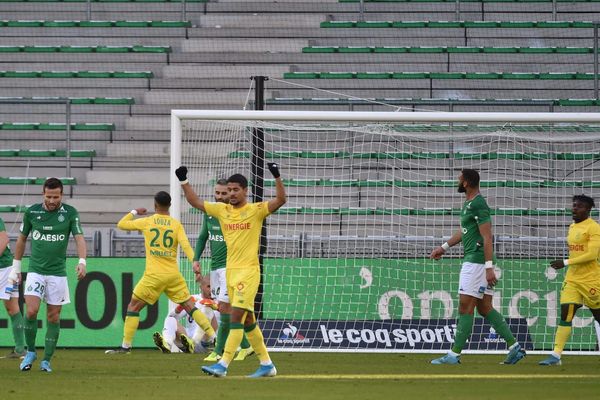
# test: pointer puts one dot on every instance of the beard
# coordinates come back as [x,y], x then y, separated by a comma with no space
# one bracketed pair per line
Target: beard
[461,189]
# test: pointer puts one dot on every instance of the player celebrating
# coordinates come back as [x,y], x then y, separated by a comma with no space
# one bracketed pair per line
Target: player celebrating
[211,231]
[50,224]
[162,234]
[477,276]
[582,281]
[242,224]
[176,337]
[9,293]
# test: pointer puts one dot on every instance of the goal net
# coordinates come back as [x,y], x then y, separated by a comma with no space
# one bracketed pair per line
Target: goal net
[346,264]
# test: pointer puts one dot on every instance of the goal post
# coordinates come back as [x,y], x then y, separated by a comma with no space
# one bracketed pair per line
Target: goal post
[370,194]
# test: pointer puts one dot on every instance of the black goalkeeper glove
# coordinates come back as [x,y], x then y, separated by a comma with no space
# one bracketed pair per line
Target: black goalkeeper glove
[274,168]
[181,173]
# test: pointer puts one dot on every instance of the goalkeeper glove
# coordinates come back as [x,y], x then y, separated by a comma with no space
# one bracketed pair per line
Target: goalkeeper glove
[15,270]
[210,303]
[274,168]
[181,173]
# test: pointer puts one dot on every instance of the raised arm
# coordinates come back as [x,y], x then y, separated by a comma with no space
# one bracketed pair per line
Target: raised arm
[189,193]
[280,196]
[127,223]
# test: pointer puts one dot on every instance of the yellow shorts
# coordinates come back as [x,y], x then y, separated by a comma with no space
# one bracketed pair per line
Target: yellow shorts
[150,287]
[581,293]
[242,285]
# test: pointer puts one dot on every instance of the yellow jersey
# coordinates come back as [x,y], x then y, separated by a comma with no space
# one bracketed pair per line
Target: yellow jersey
[241,229]
[584,250]
[162,235]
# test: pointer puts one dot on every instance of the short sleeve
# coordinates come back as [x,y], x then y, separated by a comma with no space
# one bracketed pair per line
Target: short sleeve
[76,224]
[25,227]
[263,209]
[481,213]
[594,232]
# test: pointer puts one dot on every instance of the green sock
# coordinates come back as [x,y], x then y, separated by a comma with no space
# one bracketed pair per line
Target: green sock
[52,333]
[463,332]
[18,327]
[30,333]
[222,333]
[499,324]
[245,343]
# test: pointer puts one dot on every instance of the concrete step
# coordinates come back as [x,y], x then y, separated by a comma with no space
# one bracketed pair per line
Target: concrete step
[267,45]
[148,123]
[200,98]
[223,71]
[128,177]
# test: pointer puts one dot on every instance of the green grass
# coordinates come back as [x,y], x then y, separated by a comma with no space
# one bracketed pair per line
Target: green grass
[148,374]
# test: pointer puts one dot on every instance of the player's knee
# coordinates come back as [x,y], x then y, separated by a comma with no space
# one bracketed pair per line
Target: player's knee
[567,313]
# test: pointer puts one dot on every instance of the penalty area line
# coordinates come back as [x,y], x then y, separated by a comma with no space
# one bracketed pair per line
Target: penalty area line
[438,376]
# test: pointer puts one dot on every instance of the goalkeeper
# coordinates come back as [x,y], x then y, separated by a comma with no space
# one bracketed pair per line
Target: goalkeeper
[211,232]
[177,337]
[162,234]
[242,225]
[477,276]
[582,281]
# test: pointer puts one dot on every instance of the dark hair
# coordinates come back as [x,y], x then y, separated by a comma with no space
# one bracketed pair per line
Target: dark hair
[584,199]
[53,183]
[163,199]
[239,179]
[471,177]
[221,181]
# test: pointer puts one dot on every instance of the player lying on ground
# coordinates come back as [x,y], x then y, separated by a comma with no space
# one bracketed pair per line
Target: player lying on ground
[181,333]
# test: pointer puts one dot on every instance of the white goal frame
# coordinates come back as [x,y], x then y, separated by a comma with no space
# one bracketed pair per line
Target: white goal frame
[177,116]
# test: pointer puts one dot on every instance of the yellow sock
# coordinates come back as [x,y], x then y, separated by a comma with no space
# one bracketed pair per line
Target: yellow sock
[256,339]
[234,339]
[203,322]
[562,336]
[132,321]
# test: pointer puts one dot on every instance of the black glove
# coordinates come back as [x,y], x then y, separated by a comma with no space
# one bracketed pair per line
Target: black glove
[181,173]
[274,168]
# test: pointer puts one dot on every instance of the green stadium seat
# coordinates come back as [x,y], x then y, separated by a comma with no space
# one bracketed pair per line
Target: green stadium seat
[58,74]
[60,24]
[150,49]
[337,24]
[373,24]
[557,75]
[426,49]
[112,49]
[170,24]
[96,24]
[76,49]
[464,49]
[301,75]
[386,49]
[481,24]
[320,49]
[37,153]
[574,50]
[19,126]
[354,49]
[409,24]
[24,24]
[9,152]
[516,24]
[373,75]
[93,74]
[132,24]
[132,75]
[16,180]
[65,180]
[447,75]
[11,49]
[483,75]
[553,24]
[337,75]
[445,24]
[20,74]
[410,75]
[519,75]
[40,49]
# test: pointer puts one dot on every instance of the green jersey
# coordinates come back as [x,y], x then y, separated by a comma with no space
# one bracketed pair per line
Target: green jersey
[6,257]
[474,213]
[50,232]
[211,231]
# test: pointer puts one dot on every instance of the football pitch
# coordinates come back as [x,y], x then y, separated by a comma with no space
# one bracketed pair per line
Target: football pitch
[148,374]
